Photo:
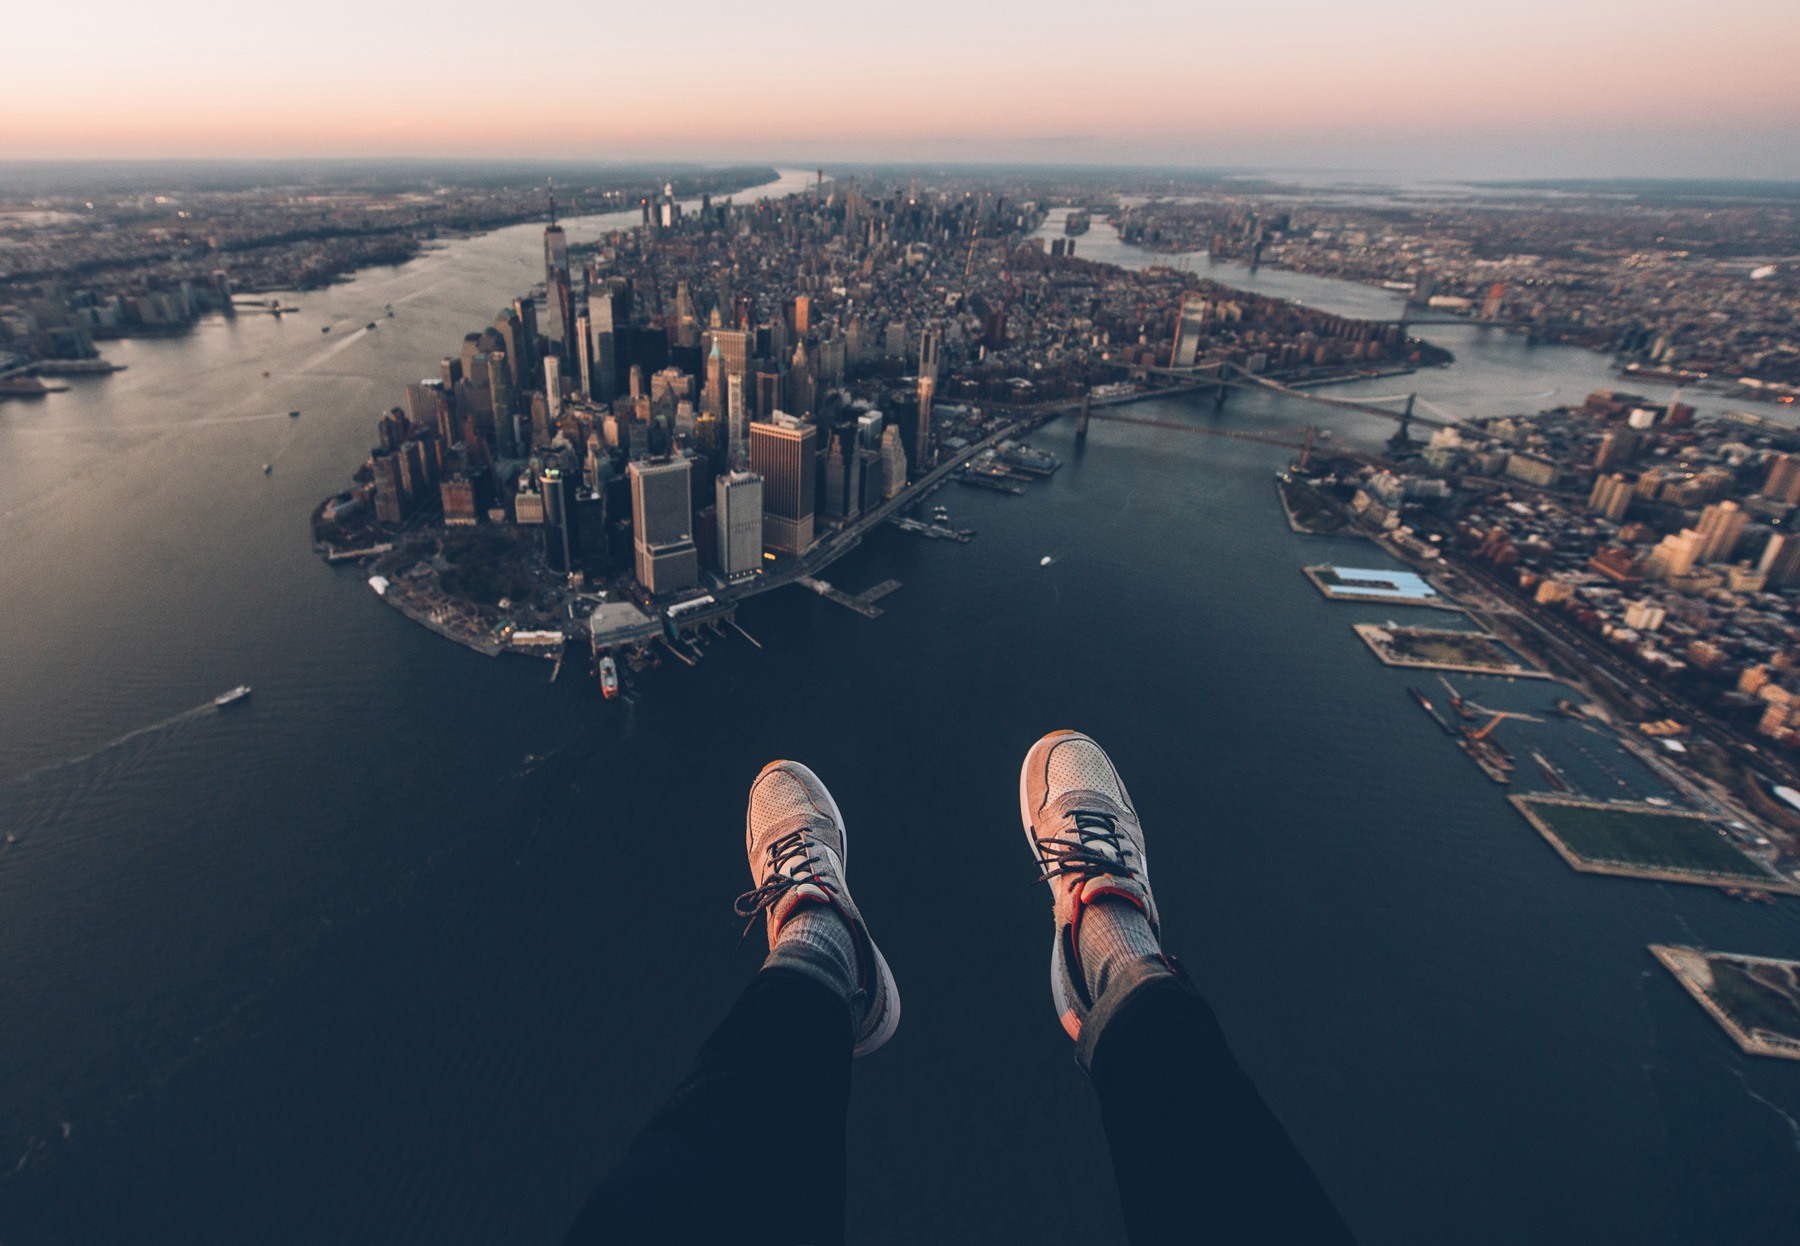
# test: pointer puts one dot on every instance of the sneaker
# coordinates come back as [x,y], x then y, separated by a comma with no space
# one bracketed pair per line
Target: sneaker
[796,840]
[1084,834]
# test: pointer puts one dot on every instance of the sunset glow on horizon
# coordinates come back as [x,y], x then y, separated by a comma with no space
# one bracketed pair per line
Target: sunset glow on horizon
[1675,88]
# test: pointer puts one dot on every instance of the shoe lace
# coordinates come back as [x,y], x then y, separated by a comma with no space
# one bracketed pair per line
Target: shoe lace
[796,848]
[1082,857]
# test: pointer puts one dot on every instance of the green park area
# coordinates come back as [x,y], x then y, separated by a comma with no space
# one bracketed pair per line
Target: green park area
[1618,839]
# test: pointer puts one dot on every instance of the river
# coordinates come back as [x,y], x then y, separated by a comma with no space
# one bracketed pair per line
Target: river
[404,949]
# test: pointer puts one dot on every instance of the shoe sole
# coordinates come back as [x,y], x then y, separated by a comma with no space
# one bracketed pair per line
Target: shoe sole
[884,976]
[1059,974]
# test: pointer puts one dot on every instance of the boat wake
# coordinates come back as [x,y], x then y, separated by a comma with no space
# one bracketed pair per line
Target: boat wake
[205,707]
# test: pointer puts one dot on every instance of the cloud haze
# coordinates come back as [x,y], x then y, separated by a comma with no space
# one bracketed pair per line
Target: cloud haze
[1668,87]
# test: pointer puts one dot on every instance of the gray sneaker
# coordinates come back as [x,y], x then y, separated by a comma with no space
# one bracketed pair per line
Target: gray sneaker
[797,844]
[1084,834]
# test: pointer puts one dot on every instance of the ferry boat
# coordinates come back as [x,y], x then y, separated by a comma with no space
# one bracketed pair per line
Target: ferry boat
[230,698]
[1076,223]
[609,677]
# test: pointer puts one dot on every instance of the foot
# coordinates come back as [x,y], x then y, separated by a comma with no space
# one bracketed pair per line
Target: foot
[796,840]
[1085,837]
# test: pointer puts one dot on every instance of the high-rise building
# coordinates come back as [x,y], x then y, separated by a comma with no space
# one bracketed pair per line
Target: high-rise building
[603,344]
[1674,555]
[782,452]
[843,479]
[928,354]
[1783,483]
[893,463]
[584,364]
[562,539]
[556,272]
[1617,448]
[1612,496]
[506,429]
[1721,525]
[800,386]
[553,386]
[923,455]
[1189,330]
[662,525]
[737,416]
[512,332]
[391,501]
[739,515]
[1781,559]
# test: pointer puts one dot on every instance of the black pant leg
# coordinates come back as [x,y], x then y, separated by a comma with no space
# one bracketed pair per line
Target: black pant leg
[1198,1156]
[750,1147]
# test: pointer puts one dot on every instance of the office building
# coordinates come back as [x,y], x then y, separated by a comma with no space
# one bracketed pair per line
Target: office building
[1190,330]
[1612,496]
[738,513]
[391,501]
[893,463]
[553,387]
[1721,526]
[1783,483]
[1617,448]
[928,355]
[1781,560]
[782,452]
[662,525]
[562,539]
[923,456]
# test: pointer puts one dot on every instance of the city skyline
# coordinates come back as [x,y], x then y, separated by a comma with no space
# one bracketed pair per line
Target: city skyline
[1541,90]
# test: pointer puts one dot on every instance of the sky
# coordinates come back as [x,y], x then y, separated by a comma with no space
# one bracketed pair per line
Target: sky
[1531,88]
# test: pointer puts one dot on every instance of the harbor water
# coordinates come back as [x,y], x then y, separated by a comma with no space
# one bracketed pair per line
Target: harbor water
[405,946]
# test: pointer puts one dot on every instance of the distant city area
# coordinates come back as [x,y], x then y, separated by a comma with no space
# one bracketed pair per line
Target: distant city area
[1700,291]
[722,398]
[120,259]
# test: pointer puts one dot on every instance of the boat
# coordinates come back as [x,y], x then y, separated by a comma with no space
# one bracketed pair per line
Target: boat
[371,324]
[326,329]
[231,698]
[267,468]
[1480,756]
[1076,223]
[1429,708]
[609,677]
[1044,561]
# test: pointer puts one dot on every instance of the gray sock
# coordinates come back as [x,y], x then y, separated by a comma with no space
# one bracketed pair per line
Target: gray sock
[1114,933]
[817,941]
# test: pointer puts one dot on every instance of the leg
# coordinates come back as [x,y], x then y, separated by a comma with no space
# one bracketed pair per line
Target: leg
[708,1167]
[1197,1154]
[685,1177]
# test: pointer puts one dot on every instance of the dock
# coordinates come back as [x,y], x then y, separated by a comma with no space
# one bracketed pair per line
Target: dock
[937,532]
[863,603]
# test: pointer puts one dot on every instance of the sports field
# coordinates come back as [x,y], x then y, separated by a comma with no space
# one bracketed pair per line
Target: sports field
[1633,839]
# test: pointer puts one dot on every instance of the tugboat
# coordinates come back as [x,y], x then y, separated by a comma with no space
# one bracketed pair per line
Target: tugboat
[609,677]
[371,324]
[231,698]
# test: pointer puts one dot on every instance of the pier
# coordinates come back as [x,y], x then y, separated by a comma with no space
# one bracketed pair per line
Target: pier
[863,603]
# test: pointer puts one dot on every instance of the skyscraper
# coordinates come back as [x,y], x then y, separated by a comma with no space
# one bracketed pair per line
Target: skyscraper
[1721,524]
[922,451]
[1783,483]
[1190,329]
[553,386]
[739,515]
[556,272]
[928,354]
[662,525]
[562,538]
[893,462]
[782,452]
[506,430]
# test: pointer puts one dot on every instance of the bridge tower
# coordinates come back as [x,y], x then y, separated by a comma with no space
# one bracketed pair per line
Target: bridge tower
[1081,421]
